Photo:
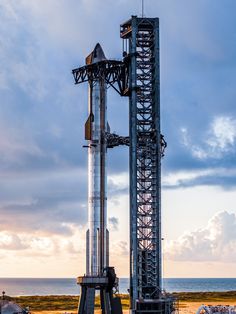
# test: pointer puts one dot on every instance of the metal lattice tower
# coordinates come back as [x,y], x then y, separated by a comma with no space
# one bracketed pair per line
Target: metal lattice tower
[141,48]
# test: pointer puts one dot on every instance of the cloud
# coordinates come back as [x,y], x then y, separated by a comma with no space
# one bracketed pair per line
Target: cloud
[221,177]
[218,141]
[28,245]
[16,145]
[223,133]
[181,178]
[119,248]
[11,242]
[9,9]
[214,242]
[205,156]
[114,223]
[43,203]
[43,218]
[118,184]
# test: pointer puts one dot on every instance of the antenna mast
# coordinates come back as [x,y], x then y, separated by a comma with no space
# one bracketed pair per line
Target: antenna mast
[142,8]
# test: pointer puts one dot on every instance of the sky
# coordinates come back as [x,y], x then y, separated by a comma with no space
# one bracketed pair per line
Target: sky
[43,167]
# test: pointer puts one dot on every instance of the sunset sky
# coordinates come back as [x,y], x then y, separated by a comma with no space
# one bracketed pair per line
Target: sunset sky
[43,167]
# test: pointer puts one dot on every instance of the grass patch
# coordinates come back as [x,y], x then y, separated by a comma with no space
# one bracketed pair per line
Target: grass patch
[48,303]
[57,302]
[226,296]
[70,302]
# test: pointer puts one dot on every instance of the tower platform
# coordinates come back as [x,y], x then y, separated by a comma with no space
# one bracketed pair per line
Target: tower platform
[106,285]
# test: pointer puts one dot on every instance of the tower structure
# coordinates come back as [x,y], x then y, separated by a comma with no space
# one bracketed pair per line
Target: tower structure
[138,77]
[141,51]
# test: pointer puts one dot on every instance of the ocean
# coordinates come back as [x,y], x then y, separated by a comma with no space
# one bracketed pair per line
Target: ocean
[68,286]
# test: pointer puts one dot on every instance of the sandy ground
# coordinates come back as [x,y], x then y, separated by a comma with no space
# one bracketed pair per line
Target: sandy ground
[185,308]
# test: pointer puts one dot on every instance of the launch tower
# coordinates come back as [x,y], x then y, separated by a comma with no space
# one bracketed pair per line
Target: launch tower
[141,51]
[137,77]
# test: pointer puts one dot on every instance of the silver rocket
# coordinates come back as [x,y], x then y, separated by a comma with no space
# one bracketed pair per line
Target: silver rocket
[96,127]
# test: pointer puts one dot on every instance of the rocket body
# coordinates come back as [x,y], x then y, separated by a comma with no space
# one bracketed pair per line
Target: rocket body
[95,133]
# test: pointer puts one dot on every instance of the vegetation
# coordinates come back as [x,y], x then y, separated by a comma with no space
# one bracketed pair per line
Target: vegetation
[47,303]
[57,302]
[70,302]
[204,297]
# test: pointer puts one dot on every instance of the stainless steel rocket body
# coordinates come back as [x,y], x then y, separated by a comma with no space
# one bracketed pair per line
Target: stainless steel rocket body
[97,234]
[99,275]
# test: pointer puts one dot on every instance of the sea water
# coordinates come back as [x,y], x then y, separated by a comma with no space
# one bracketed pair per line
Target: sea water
[68,286]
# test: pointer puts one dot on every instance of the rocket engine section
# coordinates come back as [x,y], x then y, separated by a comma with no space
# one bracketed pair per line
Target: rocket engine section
[96,127]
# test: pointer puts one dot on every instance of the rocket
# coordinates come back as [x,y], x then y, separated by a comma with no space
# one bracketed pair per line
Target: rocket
[96,128]
[99,73]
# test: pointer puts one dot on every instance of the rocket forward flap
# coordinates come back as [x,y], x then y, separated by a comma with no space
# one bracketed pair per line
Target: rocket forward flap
[88,127]
[108,128]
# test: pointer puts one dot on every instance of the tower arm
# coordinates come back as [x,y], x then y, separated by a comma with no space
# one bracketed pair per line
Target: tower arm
[114,140]
[114,72]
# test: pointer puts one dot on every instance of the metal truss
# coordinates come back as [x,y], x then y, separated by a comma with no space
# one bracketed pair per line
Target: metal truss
[141,42]
[114,72]
[114,140]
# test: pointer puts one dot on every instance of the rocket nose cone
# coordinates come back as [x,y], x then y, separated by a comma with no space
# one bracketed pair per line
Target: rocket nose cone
[96,55]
